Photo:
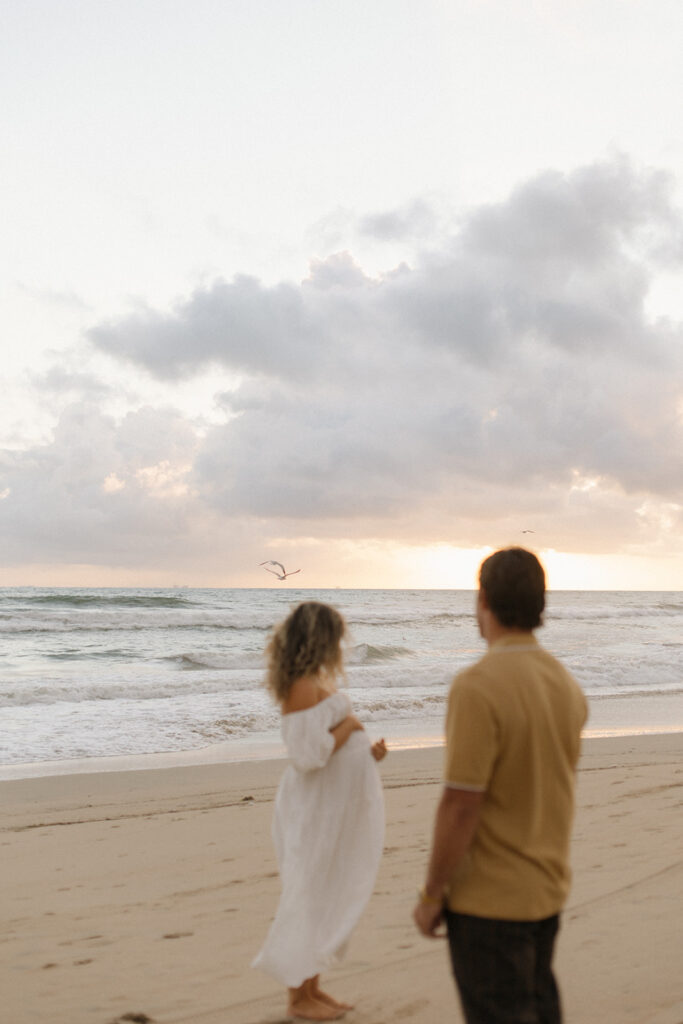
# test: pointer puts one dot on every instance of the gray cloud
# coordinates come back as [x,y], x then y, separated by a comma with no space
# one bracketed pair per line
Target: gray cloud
[241,324]
[417,220]
[509,374]
[59,380]
[565,260]
[99,491]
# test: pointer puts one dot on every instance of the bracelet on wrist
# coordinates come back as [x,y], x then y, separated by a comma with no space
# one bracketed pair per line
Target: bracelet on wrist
[434,901]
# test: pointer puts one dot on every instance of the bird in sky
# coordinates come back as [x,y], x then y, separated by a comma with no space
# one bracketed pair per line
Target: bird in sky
[285,574]
[528,531]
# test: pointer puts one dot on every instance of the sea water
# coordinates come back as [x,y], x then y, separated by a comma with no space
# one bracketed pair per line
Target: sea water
[91,673]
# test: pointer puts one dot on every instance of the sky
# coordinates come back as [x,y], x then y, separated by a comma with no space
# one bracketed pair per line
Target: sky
[370,288]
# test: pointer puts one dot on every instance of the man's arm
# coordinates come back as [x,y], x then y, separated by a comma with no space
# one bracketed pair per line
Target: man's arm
[455,825]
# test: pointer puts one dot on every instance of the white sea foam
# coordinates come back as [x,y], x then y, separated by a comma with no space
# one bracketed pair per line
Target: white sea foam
[97,672]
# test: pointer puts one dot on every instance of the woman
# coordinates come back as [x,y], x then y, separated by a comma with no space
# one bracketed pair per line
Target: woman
[328,827]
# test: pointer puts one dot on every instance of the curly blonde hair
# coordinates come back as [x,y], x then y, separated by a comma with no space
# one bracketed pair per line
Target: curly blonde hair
[307,641]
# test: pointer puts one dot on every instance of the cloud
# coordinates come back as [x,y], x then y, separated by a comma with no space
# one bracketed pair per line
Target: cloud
[566,260]
[94,493]
[59,381]
[51,297]
[508,378]
[417,220]
[241,324]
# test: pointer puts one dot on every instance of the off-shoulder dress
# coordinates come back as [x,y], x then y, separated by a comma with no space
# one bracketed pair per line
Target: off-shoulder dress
[328,831]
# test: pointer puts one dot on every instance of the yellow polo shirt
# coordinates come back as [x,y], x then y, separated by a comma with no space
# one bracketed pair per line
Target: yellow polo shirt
[513,731]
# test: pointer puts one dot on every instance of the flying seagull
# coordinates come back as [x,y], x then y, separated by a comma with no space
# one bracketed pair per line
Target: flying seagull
[528,531]
[284,575]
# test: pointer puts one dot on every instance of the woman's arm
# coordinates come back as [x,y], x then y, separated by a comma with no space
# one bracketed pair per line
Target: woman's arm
[342,731]
[305,693]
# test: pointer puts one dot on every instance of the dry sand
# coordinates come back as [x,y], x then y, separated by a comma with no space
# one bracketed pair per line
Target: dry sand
[149,892]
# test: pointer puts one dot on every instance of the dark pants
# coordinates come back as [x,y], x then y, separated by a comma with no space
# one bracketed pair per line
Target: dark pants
[503,969]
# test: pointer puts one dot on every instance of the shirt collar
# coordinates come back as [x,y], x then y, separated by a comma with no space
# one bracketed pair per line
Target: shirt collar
[515,640]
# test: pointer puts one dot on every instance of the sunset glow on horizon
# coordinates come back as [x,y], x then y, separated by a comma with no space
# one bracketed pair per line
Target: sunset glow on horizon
[380,567]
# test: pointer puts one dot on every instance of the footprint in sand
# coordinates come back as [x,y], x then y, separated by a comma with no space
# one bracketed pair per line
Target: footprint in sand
[411,1008]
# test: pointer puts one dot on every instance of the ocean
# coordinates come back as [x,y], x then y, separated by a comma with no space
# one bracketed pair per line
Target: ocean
[101,673]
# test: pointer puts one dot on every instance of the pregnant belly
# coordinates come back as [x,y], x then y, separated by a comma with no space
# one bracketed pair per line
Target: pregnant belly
[356,749]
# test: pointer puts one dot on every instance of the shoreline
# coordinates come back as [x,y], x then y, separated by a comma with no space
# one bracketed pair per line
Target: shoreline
[610,716]
[267,750]
[150,891]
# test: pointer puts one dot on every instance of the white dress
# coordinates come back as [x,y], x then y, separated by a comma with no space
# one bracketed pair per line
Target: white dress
[328,831]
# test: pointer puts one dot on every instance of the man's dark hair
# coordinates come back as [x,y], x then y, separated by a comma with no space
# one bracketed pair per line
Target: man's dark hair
[514,584]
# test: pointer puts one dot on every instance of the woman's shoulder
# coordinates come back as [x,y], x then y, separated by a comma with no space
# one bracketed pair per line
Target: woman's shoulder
[305,693]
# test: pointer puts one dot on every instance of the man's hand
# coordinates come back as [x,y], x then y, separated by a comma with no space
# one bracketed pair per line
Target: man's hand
[457,817]
[428,917]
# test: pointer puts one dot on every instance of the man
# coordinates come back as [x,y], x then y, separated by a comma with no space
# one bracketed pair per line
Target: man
[498,872]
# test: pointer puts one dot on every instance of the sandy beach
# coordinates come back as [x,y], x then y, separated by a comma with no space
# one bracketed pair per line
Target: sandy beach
[148,893]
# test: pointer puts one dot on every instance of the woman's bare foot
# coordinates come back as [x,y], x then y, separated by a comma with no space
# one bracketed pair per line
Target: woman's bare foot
[325,997]
[308,1003]
[307,1008]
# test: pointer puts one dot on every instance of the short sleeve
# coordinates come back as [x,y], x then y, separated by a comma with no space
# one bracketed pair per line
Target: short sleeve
[471,737]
